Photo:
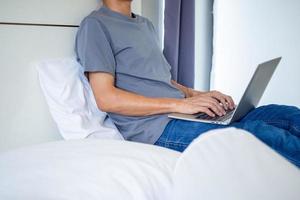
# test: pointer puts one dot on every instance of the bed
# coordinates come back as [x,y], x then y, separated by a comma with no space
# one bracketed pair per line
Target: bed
[224,164]
[36,163]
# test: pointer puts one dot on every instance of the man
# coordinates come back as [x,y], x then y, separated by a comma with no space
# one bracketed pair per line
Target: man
[131,81]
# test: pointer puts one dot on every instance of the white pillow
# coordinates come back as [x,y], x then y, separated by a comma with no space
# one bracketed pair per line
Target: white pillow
[71,101]
[87,169]
[232,164]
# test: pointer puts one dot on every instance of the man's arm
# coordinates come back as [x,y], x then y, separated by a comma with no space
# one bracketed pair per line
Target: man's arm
[114,100]
[187,91]
[225,100]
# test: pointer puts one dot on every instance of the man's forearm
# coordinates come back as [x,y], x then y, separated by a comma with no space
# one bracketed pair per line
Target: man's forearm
[187,91]
[130,104]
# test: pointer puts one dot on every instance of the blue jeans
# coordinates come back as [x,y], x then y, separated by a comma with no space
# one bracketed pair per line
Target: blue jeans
[277,126]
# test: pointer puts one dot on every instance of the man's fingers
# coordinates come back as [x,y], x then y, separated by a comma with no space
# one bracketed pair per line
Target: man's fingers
[212,107]
[212,103]
[230,102]
[215,106]
[209,102]
[207,111]
[228,99]
[221,98]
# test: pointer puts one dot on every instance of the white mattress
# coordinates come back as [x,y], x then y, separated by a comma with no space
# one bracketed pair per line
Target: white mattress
[250,32]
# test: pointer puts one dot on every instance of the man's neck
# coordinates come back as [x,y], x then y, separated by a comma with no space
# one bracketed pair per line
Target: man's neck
[120,6]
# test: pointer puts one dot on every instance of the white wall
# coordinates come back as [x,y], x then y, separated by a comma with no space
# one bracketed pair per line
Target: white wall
[203,43]
[153,10]
[51,12]
[24,115]
[137,6]
[252,31]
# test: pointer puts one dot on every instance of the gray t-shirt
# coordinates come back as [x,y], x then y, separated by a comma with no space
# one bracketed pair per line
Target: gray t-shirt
[127,48]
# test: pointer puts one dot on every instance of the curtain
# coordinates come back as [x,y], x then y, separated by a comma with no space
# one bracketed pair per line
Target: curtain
[179,40]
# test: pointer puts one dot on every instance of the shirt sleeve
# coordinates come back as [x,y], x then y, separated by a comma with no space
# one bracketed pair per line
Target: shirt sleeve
[93,49]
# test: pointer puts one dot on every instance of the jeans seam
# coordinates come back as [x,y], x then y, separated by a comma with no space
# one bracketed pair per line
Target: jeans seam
[162,144]
[295,127]
[278,121]
[176,143]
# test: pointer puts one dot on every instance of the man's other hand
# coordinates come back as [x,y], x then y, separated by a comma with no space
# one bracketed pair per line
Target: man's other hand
[226,100]
[212,103]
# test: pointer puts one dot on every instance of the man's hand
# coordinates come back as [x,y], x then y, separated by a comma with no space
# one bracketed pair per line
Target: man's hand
[206,102]
[225,100]
[212,102]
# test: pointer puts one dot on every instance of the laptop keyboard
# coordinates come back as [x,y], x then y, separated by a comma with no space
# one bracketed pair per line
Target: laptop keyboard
[216,118]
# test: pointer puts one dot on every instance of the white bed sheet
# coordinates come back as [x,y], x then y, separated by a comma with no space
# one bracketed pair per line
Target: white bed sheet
[231,164]
[87,169]
[222,164]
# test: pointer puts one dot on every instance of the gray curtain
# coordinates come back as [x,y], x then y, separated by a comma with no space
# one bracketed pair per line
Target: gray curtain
[179,40]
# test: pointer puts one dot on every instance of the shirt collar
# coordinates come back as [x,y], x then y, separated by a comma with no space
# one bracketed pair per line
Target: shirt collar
[104,9]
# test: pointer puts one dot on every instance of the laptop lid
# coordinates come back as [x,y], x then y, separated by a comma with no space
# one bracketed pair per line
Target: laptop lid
[255,88]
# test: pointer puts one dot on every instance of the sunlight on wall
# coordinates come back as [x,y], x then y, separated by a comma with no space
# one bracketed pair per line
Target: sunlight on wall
[250,32]
[154,11]
[203,43]
[137,6]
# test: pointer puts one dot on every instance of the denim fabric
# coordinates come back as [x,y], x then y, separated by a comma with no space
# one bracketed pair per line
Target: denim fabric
[278,126]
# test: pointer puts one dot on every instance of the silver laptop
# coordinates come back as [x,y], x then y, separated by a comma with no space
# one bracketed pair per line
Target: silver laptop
[249,100]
